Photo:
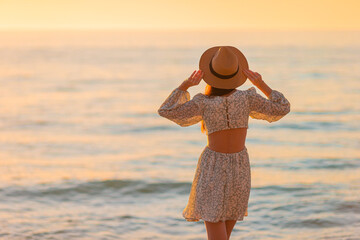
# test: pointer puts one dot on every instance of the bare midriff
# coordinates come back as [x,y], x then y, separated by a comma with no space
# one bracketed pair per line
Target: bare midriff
[227,141]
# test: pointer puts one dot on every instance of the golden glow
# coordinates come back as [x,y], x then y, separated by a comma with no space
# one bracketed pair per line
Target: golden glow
[186,14]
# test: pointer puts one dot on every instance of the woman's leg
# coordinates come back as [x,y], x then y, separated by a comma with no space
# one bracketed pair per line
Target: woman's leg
[229,227]
[216,231]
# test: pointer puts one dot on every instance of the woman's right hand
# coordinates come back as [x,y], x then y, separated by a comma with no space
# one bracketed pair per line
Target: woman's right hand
[194,79]
[254,77]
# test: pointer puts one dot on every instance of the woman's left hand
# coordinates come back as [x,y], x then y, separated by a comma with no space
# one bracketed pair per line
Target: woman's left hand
[194,79]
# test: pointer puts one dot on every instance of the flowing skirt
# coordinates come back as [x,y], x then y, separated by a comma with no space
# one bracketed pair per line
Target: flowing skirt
[221,187]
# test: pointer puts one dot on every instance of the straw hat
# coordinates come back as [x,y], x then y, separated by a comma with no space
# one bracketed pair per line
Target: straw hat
[222,67]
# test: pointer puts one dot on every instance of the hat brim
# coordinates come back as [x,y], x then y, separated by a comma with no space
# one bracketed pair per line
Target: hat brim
[214,81]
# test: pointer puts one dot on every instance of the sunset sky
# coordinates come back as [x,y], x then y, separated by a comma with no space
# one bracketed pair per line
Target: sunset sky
[184,14]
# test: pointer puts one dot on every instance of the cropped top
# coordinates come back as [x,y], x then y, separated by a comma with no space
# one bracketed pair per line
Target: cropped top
[223,112]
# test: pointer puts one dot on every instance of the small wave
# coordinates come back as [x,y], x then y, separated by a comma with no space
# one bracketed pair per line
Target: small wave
[122,187]
[297,190]
[350,207]
[283,188]
[329,112]
[151,128]
[314,164]
[310,125]
[313,223]
[121,129]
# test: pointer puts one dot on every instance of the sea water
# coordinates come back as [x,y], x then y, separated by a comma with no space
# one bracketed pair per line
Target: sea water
[84,154]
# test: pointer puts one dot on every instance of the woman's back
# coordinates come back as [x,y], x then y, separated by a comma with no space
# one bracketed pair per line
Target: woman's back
[228,140]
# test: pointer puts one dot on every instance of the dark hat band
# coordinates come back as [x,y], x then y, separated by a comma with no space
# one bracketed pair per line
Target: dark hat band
[220,75]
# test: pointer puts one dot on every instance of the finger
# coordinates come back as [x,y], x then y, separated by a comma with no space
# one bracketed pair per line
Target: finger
[256,74]
[252,75]
[194,78]
[198,74]
[195,74]
[198,80]
[201,75]
[252,72]
[192,74]
[247,72]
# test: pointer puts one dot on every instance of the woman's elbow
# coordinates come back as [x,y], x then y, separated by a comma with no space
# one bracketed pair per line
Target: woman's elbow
[279,116]
[163,113]
[168,115]
[284,110]
[287,109]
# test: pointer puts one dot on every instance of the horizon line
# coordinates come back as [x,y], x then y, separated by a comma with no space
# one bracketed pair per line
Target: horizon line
[178,29]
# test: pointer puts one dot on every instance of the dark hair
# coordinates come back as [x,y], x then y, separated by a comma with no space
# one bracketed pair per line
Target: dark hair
[213,91]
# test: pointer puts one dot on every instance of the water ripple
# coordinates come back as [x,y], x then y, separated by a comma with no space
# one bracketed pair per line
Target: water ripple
[121,187]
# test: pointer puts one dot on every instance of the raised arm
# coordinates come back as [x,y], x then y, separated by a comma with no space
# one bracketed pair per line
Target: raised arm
[180,109]
[271,109]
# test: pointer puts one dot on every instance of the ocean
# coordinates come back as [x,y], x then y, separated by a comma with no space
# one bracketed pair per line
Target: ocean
[84,154]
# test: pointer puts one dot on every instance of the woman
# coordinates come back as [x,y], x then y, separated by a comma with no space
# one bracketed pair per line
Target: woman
[221,186]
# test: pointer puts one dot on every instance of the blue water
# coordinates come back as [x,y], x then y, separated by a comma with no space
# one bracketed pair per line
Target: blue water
[84,155]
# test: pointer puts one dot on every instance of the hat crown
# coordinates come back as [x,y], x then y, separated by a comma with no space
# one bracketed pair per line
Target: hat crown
[222,67]
[224,61]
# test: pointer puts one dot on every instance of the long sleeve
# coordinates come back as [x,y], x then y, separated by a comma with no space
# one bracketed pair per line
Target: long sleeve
[272,109]
[180,109]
